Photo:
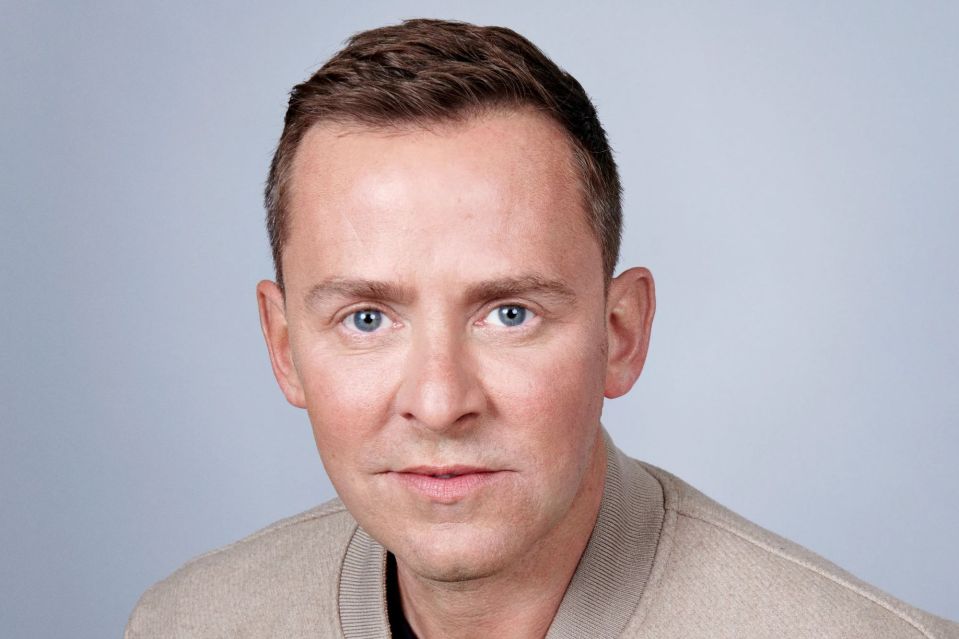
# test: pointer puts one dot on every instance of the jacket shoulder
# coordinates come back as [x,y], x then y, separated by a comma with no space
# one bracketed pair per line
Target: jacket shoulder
[279,581]
[718,570]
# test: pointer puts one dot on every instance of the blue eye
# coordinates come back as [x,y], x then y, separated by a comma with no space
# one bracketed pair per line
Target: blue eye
[509,315]
[367,320]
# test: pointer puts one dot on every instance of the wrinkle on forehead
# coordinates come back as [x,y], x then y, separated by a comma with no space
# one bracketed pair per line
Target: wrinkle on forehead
[346,219]
[453,196]
[540,139]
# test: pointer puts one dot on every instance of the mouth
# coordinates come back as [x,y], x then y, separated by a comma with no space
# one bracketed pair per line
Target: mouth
[445,472]
[446,484]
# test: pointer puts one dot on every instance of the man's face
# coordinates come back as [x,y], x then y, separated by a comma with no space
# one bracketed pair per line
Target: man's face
[447,334]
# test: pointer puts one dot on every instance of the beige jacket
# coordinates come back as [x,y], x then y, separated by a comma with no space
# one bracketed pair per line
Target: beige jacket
[663,562]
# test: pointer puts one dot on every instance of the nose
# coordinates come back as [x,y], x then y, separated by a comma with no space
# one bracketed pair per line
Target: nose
[440,391]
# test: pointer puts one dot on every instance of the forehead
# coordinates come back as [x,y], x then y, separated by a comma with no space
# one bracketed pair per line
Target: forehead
[457,197]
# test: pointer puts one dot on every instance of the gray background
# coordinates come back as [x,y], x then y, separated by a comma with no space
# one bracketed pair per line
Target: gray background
[791,180]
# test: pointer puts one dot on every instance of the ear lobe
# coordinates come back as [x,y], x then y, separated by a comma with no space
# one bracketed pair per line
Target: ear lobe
[629,319]
[276,332]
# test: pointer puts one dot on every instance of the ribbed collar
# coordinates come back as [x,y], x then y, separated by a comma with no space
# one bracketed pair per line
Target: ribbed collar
[604,591]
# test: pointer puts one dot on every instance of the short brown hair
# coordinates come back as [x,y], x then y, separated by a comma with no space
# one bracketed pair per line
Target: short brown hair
[436,70]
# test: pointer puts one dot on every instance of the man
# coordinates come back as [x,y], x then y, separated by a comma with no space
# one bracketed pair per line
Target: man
[444,214]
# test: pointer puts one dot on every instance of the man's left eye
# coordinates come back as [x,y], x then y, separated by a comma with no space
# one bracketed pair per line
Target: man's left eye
[509,315]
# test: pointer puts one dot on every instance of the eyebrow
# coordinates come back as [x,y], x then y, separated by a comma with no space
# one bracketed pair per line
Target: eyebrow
[363,289]
[554,290]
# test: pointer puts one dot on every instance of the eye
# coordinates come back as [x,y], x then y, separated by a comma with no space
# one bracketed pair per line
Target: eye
[366,320]
[509,315]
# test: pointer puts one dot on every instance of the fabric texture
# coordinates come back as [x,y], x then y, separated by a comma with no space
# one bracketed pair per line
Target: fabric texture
[663,562]
[399,626]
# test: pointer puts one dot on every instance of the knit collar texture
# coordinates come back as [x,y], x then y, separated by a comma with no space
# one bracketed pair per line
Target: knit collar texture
[605,589]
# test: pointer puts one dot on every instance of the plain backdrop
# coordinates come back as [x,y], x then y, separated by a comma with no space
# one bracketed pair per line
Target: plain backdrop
[792,180]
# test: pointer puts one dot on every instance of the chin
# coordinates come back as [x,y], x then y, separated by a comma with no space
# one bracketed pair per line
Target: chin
[451,573]
[451,556]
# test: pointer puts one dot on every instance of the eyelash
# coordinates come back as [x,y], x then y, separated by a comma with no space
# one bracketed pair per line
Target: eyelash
[529,315]
[345,317]
[389,321]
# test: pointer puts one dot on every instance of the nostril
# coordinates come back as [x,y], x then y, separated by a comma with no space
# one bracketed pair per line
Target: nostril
[439,392]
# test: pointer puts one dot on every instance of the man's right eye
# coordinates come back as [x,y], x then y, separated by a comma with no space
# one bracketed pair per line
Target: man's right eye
[366,320]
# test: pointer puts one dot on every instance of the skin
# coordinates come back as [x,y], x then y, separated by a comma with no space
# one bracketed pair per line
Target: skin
[434,230]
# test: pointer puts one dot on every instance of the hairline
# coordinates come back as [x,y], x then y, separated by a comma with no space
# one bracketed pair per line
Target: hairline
[580,161]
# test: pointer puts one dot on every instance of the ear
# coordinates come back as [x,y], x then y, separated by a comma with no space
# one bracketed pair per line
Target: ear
[630,307]
[276,331]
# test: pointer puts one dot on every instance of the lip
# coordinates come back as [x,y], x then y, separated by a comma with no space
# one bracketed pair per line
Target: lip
[446,484]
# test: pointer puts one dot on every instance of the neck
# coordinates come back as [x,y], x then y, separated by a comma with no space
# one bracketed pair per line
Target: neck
[520,600]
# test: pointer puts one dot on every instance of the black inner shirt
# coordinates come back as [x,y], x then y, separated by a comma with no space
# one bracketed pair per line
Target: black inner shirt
[399,626]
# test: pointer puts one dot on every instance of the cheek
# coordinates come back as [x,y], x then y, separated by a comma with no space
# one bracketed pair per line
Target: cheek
[552,396]
[348,397]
